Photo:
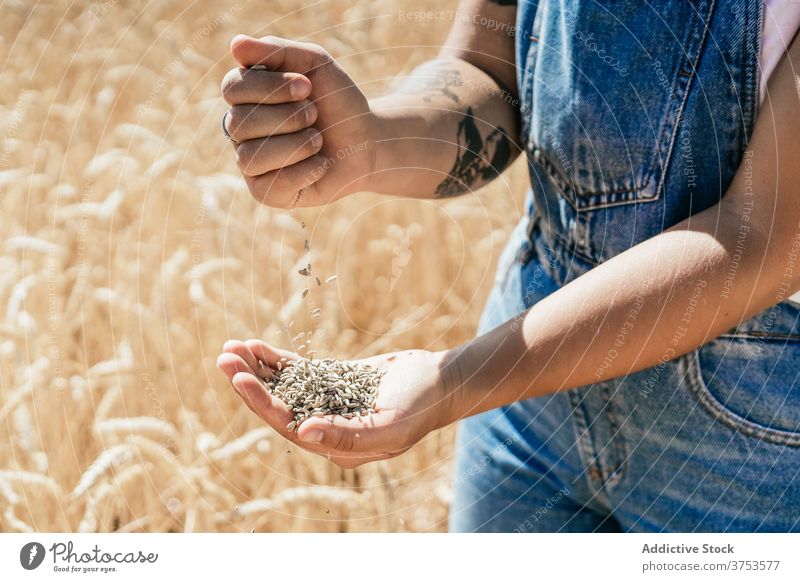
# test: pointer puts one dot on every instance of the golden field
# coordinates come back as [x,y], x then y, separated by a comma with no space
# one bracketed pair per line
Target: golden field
[131,251]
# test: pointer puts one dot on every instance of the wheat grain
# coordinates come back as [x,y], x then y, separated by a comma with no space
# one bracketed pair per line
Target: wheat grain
[318,387]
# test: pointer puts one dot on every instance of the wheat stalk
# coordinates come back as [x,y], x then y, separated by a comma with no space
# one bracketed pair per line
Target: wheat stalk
[115,456]
[32,480]
[288,498]
[258,436]
[89,521]
[132,251]
[144,425]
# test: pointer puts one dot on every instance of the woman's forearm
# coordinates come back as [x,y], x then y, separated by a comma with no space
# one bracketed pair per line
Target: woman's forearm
[449,129]
[656,301]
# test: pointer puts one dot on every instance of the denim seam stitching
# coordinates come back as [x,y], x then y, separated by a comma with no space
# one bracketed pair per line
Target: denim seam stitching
[526,90]
[686,82]
[585,445]
[589,201]
[762,336]
[752,71]
[719,412]
[617,470]
[566,246]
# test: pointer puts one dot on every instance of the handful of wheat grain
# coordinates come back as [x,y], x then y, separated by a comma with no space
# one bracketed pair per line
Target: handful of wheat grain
[326,386]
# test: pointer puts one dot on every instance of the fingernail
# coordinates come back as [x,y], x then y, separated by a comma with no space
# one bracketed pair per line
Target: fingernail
[297,88]
[311,113]
[316,138]
[312,436]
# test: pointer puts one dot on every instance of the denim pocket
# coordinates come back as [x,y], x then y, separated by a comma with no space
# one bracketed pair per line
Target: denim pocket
[605,85]
[752,385]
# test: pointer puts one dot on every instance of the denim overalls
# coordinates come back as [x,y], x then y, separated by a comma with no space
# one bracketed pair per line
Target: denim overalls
[636,115]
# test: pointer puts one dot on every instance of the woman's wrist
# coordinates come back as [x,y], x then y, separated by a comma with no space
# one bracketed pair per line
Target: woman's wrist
[403,152]
[489,371]
[383,144]
[387,120]
[455,398]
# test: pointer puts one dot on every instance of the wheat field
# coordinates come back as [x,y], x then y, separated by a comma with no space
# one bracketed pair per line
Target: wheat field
[131,251]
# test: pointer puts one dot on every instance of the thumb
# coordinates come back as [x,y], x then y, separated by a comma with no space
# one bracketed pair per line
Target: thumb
[354,435]
[276,54]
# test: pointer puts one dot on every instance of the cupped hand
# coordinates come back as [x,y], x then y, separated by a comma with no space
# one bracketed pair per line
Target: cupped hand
[303,131]
[413,399]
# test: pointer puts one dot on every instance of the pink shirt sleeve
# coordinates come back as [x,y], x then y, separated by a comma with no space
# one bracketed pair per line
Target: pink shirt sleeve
[781,23]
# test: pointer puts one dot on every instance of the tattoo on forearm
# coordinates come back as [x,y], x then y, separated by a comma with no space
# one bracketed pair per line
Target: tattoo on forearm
[442,86]
[439,83]
[477,159]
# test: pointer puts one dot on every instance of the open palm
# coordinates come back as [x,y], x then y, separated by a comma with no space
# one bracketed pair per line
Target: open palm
[412,400]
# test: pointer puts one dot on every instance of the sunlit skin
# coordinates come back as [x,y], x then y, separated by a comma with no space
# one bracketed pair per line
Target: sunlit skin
[561,341]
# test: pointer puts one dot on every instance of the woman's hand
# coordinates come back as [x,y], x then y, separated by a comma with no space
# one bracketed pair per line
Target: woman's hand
[413,399]
[304,133]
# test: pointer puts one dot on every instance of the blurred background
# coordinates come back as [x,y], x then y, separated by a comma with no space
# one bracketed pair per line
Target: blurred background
[131,251]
